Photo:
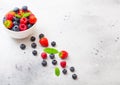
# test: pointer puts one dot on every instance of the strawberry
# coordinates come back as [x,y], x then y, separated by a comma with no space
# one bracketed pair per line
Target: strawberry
[63,54]
[63,64]
[44,55]
[9,17]
[44,42]
[8,24]
[32,19]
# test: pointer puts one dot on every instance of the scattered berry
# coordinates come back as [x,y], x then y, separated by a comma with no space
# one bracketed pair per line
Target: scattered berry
[63,64]
[44,55]
[44,63]
[63,54]
[52,56]
[72,69]
[34,52]
[41,36]
[64,71]
[54,62]
[44,42]
[74,76]
[33,45]
[53,43]
[22,46]
[32,38]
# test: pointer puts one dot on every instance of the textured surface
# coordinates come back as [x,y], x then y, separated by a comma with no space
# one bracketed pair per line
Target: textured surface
[88,29]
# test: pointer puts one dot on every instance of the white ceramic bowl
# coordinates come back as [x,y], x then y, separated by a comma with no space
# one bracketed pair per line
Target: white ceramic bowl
[21,34]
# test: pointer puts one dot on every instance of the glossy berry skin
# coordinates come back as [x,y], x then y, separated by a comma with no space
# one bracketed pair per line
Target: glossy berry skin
[63,54]
[15,23]
[22,46]
[22,27]
[9,17]
[15,28]
[53,43]
[54,62]
[32,38]
[44,42]
[34,52]
[52,56]
[8,24]
[4,19]
[44,55]
[16,9]
[64,71]
[74,76]
[16,19]
[44,63]
[72,69]
[41,36]
[63,64]
[29,25]
[24,8]
[32,19]
[33,45]
[23,20]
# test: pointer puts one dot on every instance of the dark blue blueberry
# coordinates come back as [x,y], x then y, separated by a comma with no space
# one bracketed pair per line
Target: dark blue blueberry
[15,28]
[16,19]
[32,38]
[72,69]
[29,26]
[34,52]
[52,56]
[53,43]
[44,63]
[22,46]
[74,76]
[15,23]
[41,36]
[33,45]
[16,9]
[64,71]
[54,62]
[4,19]
[24,8]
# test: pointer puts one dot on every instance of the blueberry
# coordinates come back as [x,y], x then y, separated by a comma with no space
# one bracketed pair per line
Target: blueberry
[74,76]
[64,71]
[15,23]
[24,8]
[4,19]
[29,26]
[54,62]
[53,43]
[22,46]
[44,63]
[16,9]
[33,45]
[72,69]
[15,28]
[52,56]
[41,35]
[34,52]
[32,38]
[16,19]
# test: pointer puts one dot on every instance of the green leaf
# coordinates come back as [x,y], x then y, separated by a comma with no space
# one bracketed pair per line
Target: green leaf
[18,16]
[26,14]
[57,71]
[51,50]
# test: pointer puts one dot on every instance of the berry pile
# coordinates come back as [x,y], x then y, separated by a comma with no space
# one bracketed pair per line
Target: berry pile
[63,55]
[19,19]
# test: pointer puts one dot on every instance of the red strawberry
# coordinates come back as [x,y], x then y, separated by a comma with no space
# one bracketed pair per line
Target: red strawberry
[23,20]
[63,54]
[44,55]
[63,64]
[44,42]
[22,27]
[9,17]
[32,19]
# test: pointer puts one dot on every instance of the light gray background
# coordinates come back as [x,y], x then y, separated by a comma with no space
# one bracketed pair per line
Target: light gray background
[88,29]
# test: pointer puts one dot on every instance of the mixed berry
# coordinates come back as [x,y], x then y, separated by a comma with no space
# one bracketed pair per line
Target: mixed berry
[19,19]
[63,55]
